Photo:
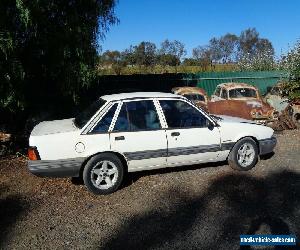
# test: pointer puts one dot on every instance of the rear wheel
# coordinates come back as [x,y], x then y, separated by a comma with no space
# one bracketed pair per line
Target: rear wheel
[244,154]
[103,174]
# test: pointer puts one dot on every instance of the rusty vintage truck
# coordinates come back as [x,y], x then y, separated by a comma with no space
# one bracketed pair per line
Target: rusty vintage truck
[241,100]
[195,94]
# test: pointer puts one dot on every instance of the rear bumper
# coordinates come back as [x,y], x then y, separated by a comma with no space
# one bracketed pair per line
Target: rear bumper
[267,145]
[56,168]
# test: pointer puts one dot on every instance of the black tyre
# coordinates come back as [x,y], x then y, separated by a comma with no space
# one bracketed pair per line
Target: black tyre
[103,174]
[243,155]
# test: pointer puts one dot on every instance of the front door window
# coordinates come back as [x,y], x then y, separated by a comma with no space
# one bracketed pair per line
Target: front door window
[180,114]
[190,138]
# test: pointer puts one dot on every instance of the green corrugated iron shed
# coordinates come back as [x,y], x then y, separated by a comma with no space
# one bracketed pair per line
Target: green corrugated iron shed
[261,79]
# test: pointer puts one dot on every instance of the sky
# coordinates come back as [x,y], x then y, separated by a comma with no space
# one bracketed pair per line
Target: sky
[196,22]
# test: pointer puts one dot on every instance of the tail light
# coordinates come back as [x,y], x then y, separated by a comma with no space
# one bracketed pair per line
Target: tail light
[33,154]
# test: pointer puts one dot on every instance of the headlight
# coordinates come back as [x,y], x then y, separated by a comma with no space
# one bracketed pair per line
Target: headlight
[255,114]
[275,115]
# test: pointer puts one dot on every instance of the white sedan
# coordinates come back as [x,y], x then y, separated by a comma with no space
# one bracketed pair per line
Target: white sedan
[141,131]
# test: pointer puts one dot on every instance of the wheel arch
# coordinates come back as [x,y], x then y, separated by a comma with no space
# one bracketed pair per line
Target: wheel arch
[118,154]
[243,137]
[233,159]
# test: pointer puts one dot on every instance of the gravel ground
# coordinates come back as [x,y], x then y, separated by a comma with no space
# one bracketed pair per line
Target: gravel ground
[196,207]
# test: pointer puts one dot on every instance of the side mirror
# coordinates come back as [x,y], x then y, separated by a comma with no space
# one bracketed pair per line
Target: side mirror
[211,125]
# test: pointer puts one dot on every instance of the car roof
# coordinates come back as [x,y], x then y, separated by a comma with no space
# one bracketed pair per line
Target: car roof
[233,85]
[189,90]
[137,95]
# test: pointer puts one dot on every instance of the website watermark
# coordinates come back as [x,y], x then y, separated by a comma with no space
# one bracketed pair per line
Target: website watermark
[267,240]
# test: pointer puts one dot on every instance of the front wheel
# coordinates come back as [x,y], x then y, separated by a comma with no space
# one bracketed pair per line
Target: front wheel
[243,155]
[103,174]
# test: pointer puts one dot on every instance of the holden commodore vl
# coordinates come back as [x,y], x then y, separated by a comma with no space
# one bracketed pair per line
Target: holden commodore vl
[123,133]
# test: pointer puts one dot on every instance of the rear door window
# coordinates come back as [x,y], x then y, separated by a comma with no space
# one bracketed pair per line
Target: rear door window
[137,116]
[88,113]
[104,123]
[122,123]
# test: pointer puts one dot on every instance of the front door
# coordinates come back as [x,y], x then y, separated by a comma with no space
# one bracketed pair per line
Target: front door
[137,133]
[191,136]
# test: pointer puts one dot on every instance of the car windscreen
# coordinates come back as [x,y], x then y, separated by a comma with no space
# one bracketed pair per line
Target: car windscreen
[88,113]
[242,93]
[195,97]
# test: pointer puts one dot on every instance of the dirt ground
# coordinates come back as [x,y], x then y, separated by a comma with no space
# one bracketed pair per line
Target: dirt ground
[196,207]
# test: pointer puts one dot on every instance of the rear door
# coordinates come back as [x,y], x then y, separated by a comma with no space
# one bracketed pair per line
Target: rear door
[191,136]
[137,133]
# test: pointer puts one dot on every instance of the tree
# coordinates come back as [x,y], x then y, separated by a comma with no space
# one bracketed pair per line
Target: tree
[255,53]
[113,59]
[228,44]
[248,40]
[264,46]
[168,60]
[257,62]
[178,49]
[223,49]
[291,63]
[49,48]
[203,55]
[174,48]
[145,54]
[215,49]
[129,56]
[190,62]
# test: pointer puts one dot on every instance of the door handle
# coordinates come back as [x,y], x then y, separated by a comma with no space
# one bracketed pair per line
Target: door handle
[175,134]
[119,138]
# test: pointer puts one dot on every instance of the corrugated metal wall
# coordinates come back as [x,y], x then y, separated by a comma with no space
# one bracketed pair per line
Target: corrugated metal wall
[260,79]
[108,84]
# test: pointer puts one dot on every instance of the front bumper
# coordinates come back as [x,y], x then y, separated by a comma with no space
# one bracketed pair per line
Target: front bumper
[56,168]
[263,121]
[267,145]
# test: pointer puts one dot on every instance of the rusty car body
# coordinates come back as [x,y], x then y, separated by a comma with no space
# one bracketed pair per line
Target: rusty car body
[195,94]
[241,100]
[289,110]
[294,111]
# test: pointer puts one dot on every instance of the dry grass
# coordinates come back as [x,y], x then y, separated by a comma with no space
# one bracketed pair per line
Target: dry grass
[158,69]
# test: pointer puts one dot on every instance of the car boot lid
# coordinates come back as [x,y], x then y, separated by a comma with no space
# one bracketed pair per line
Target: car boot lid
[54,127]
